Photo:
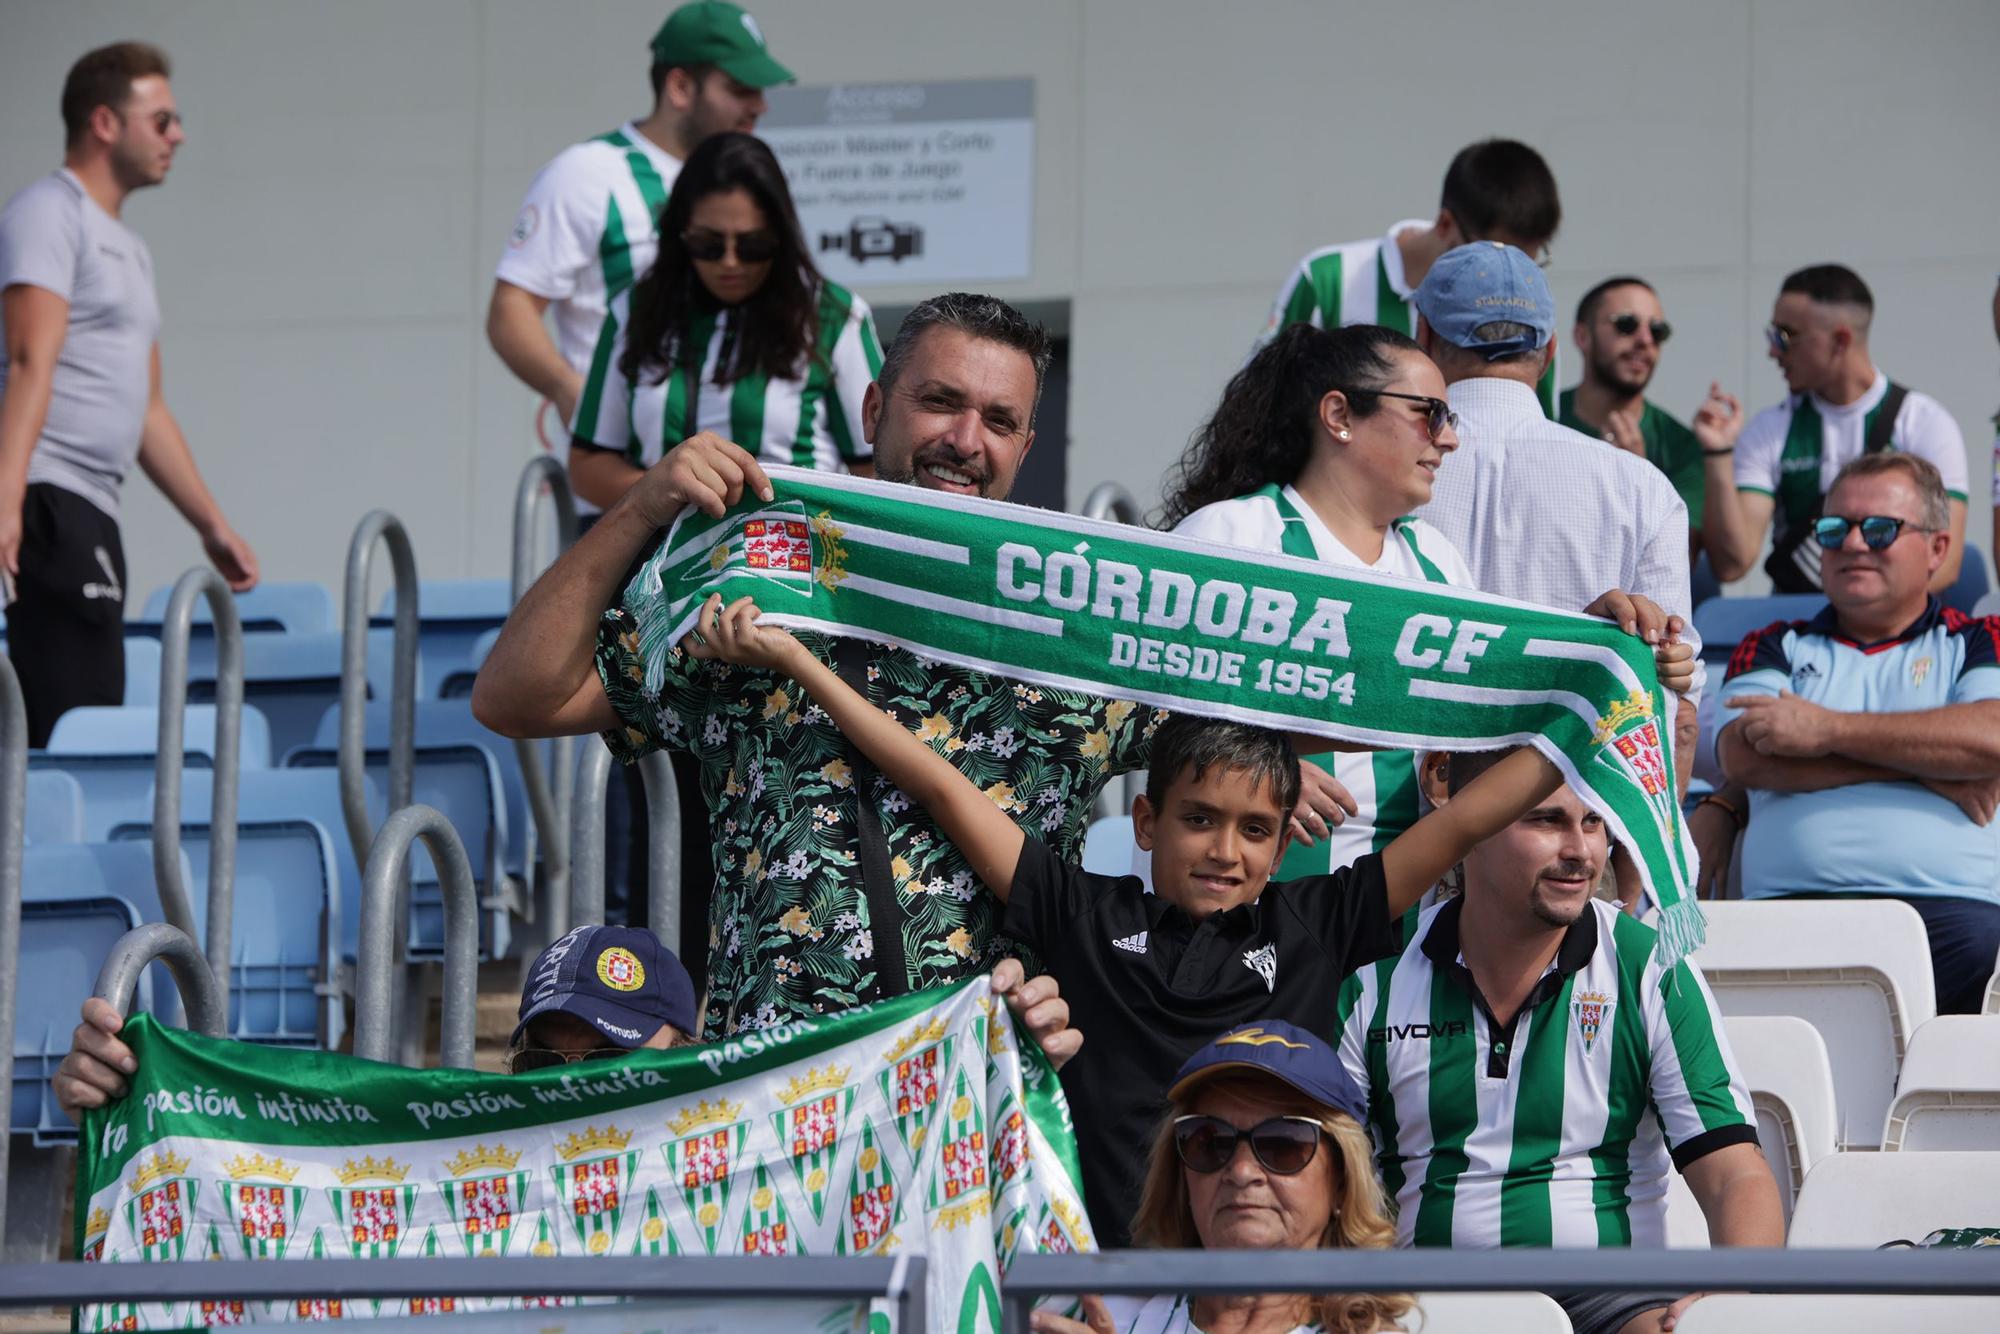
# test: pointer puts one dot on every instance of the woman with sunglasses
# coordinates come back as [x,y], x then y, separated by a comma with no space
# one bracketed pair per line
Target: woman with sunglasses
[1321,446]
[1263,1148]
[732,331]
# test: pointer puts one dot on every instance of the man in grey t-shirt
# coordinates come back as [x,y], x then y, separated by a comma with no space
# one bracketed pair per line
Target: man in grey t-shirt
[80,390]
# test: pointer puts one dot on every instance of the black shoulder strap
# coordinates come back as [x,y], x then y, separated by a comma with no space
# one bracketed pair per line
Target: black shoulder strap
[878,883]
[1884,424]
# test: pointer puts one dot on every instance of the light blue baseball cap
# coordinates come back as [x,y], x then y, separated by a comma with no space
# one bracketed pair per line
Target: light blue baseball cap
[1474,285]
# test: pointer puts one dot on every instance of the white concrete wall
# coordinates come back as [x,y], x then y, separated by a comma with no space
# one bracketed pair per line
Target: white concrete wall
[326,241]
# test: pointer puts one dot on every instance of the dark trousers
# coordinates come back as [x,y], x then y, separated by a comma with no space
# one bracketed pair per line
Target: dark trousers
[1965,940]
[66,623]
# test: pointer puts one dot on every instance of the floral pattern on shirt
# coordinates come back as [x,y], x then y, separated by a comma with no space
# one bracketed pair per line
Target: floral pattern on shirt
[790,934]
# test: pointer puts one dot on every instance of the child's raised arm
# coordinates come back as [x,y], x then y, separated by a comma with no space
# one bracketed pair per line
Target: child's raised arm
[1487,805]
[990,842]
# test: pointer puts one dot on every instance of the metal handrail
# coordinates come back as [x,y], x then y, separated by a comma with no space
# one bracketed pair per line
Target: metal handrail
[1108,500]
[586,863]
[207,1011]
[663,848]
[377,525]
[548,803]
[13,837]
[902,1280]
[385,928]
[1196,1273]
[176,900]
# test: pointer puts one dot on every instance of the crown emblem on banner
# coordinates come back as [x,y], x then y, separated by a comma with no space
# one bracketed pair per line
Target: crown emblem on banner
[166,1163]
[832,571]
[257,1165]
[718,556]
[830,1080]
[371,1169]
[1634,706]
[705,1113]
[99,1222]
[498,1158]
[915,1038]
[1071,1217]
[575,1145]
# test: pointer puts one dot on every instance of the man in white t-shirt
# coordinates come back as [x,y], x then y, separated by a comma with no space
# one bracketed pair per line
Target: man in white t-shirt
[586,230]
[1839,407]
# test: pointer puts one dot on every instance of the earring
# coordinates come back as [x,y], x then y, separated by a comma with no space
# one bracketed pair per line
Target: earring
[1343,435]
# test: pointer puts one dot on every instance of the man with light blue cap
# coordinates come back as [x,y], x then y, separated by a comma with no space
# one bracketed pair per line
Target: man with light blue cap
[1542,513]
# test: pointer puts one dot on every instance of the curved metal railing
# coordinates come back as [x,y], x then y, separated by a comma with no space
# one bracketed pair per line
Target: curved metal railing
[663,844]
[382,526]
[1108,500]
[549,803]
[13,837]
[385,911]
[207,1011]
[176,899]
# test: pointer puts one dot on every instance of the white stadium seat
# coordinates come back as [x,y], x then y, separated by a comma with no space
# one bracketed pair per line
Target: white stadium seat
[1992,1005]
[1858,970]
[1487,1313]
[1784,1061]
[1766,1313]
[1949,1094]
[1864,1200]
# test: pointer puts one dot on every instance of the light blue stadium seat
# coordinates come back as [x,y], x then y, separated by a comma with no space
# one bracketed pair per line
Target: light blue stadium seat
[293,678]
[453,616]
[287,892]
[463,783]
[457,684]
[142,670]
[63,945]
[1722,623]
[1972,583]
[449,722]
[297,608]
[117,789]
[55,808]
[134,729]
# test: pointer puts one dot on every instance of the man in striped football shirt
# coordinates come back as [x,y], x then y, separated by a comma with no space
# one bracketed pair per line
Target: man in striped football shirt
[1495,190]
[586,230]
[1532,1067]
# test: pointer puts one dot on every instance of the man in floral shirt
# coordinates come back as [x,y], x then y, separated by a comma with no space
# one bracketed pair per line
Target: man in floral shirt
[792,933]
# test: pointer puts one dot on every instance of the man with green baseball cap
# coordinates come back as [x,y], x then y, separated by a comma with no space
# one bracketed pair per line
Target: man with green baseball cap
[586,231]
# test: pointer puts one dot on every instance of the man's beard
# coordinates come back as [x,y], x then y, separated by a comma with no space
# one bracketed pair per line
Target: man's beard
[982,480]
[1605,369]
[1566,914]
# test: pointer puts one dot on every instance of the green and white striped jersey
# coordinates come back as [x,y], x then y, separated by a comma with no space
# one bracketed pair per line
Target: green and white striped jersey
[1556,1130]
[1362,282]
[1383,783]
[587,229]
[1793,451]
[812,420]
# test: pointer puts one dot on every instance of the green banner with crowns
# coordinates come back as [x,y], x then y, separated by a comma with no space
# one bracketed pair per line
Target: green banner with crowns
[1084,604]
[927,1124]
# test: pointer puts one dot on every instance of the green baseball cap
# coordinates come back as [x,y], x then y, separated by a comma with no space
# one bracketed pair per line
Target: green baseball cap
[711,32]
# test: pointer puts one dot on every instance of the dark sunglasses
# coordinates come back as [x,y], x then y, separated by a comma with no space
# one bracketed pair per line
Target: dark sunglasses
[1283,1144]
[1628,324]
[751,247]
[1879,531]
[1438,415]
[529,1059]
[1779,337]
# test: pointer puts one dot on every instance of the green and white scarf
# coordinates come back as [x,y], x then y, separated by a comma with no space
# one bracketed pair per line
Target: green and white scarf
[924,1124]
[1082,604]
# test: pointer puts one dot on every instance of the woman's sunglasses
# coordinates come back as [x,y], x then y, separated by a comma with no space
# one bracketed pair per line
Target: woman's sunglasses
[751,247]
[1878,531]
[1283,1144]
[1438,413]
[1627,324]
[528,1059]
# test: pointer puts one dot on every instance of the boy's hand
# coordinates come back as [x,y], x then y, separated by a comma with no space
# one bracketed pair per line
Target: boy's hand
[1674,661]
[94,1071]
[732,634]
[1643,617]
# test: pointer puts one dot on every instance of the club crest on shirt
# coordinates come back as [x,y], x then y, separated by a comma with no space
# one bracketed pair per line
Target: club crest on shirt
[1590,1009]
[1263,961]
[1919,669]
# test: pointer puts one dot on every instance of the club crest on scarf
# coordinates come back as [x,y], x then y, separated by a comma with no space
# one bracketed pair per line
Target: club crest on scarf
[1637,747]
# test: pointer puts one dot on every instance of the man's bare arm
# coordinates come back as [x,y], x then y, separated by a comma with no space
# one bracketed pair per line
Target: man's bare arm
[1946,573]
[37,322]
[1738,1196]
[1956,741]
[541,678]
[1733,524]
[1779,773]
[514,327]
[600,476]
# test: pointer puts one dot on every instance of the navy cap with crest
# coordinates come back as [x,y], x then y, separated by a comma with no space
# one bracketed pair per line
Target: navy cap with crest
[1472,286]
[618,979]
[1286,1053]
